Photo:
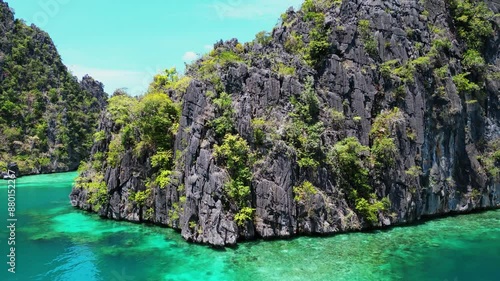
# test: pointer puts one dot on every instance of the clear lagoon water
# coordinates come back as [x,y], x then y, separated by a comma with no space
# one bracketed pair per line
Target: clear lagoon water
[57,242]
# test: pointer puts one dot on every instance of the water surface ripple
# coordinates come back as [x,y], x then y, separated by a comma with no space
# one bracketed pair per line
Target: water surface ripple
[56,242]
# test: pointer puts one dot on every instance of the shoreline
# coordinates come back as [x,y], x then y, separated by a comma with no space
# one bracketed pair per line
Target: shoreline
[371,230]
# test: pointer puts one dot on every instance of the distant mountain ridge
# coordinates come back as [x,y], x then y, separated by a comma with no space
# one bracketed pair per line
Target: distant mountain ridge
[47,117]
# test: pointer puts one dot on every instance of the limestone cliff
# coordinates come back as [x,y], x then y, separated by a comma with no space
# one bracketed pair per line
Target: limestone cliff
[47,117]
[348,115]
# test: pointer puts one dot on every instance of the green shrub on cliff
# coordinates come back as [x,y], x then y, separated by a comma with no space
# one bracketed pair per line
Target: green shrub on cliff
[313,7]
[99,136]
[158,122]
[244,215]
[120,106]
[464,85]
[234,154]
[209,66]
[368,38]
[473,60]
[93,183]
[164,80]
[351,163]
[382,125]
[263,38]
[295,43]
[414,171]
[170,79]
[307,107]
[157,119]
[305,191]
[145,126]
[304,132]
[140,197]
[312,11]
[384,149]
[115,151]
[162,160]
[473,21]
[387,68]
[238,189]
[406,72]
[369,208]
[307,141]
[491,160]
[284,69]
[318,48]
[259,130]
[349,160]
[224,123]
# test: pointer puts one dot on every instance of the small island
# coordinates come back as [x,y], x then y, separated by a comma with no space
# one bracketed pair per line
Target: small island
[346,116]
[287,143]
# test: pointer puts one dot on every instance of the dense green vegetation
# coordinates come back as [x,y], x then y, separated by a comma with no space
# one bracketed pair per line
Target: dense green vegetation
[384,149]
[318,46]
[304,131]
[145,126]
[491,160]
[259,127]
[369,208]
[464,85]
[305,191]
[224,124]
[474,24]
[351,164]
[94,183]
[206,68]
[473,20]
[234,154]
[46,119]
[170,79]
[368,39]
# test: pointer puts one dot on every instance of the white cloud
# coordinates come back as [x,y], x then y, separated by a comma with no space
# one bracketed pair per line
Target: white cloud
[256,9]
[209,47]
[189,56]
[135,82]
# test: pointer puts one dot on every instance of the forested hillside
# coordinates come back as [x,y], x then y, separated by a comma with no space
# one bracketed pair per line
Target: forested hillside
[47,118]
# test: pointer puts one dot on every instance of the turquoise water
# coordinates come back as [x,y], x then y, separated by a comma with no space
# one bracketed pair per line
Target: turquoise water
[56,242]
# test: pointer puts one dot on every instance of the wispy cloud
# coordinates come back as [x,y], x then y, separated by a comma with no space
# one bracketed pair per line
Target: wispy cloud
[189,56]
[135,82]
[256,9]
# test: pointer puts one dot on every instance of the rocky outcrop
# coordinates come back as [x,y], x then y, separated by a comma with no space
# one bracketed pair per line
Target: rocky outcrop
[380,70]
[96,89]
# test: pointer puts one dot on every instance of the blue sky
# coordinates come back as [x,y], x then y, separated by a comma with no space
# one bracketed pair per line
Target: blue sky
[123,43]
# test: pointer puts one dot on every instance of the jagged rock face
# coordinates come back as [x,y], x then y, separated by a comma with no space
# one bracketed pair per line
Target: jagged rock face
[438,129]
[96,89]
[127,177]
